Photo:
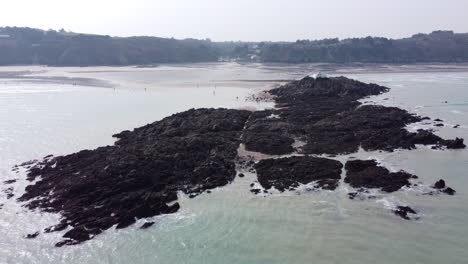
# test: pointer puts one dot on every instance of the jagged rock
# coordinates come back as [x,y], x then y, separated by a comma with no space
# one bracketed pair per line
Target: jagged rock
[456,143]
[367,174]
[284,173]
[403,211]
[449,191]
[196,150]
[95,189]
[440,184]
[325,114]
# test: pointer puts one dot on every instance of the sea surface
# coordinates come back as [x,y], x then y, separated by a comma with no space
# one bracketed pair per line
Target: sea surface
[63,110]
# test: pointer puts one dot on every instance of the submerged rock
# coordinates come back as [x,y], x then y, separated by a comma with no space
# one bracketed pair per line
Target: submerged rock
[284,173]
[147,225]
[33,235]
[10,181]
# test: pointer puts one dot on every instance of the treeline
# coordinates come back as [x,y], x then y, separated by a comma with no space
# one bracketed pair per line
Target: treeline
[34,46]
[439,46]
[61,48]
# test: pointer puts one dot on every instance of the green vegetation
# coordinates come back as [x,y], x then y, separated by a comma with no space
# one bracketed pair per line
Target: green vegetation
[439,46]
[61,48]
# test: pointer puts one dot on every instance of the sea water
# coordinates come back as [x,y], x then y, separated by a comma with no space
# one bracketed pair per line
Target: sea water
[41,116]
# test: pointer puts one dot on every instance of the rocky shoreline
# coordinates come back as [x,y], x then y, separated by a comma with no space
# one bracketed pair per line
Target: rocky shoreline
[197,150]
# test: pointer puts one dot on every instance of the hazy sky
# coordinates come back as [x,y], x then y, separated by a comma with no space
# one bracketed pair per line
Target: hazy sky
[254,20]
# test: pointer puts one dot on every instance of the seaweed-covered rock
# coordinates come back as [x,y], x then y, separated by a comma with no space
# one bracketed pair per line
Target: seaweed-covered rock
[196,150]
[140,175]
[326,115]
[284,173]
[367,174]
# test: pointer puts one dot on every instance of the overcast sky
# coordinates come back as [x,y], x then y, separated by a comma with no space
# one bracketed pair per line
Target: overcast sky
[254,20]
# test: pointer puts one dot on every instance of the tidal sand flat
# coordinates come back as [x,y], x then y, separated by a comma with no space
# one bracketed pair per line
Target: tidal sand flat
[196,151]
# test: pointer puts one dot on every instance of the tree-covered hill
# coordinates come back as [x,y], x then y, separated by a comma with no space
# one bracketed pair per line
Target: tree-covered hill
[439,46]
[61,48]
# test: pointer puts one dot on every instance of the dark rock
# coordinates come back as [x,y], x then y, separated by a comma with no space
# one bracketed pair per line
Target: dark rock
[284,173]
[403,211]
[439,125]
[125,222]
[440,184]
[241,175]
[255,191]
[449,191]
[59,227]
[30,236]
[68,242]
[147,225]
[93,190]
[10,181]
[456,126]
[456,143]
[367,174]
[438,120]
[268,143]
[9,192]
[325,114]
[196,150]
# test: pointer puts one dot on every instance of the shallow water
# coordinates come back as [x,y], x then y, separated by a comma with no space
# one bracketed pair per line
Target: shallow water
[231,225]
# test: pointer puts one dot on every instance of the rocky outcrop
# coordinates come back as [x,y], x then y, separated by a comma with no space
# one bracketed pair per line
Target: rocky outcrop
[325,114]
[140,175]
[286,173]
[367,174]
[405,212]
[197,150]
[441,187]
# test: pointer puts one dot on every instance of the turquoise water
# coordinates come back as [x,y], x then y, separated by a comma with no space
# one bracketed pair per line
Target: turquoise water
[231,225]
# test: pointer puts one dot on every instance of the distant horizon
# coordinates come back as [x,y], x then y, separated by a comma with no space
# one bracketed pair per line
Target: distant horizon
[157,36]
